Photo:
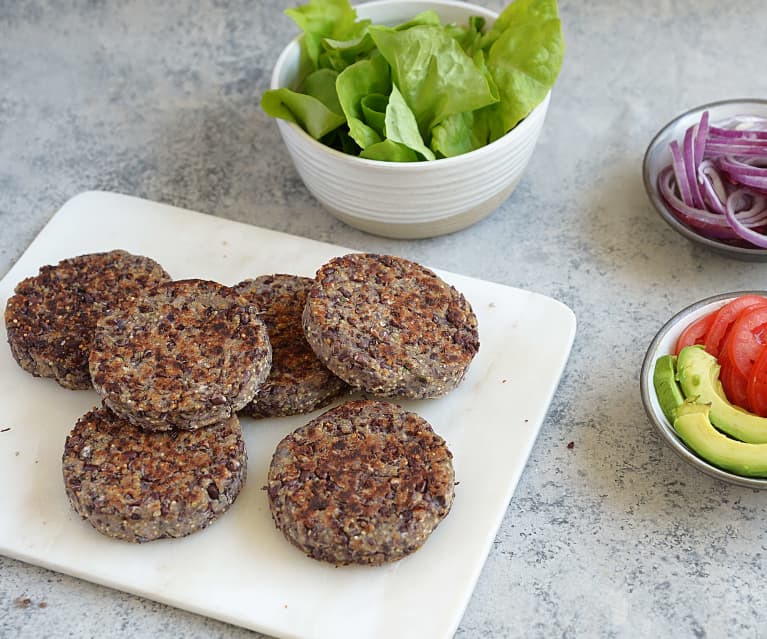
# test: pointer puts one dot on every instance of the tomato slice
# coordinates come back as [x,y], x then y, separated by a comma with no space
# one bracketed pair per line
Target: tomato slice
[757,385]
[696,332]
[747,338]
[724,318]
[734,384]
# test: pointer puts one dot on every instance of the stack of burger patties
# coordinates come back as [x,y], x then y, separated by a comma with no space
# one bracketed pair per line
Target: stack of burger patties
[173,362]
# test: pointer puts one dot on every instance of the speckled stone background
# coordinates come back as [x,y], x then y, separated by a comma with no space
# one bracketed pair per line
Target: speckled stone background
[614,537]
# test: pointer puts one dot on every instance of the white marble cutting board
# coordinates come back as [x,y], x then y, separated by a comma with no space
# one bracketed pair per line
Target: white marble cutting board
[241,569]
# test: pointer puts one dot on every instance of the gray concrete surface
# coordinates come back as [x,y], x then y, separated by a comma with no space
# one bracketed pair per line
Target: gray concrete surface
[614,537]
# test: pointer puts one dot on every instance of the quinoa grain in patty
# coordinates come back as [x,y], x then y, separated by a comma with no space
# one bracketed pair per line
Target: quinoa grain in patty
[390,326]
[52,316]
[139,486]
[298,382]
[364,483]
[187,354]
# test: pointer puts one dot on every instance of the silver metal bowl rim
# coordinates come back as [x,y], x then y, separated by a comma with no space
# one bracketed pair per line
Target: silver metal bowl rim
[755,254]
[663,426]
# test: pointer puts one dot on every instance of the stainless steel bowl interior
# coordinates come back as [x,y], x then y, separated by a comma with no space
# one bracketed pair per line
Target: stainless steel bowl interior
[663,344]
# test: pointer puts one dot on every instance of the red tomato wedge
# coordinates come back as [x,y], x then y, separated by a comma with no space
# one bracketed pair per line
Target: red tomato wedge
[724,318]
[747,338]
[757,385]
[734,384]
[696,332]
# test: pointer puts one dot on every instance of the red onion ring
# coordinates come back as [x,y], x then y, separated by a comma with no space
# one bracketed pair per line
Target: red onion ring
[714,189]
[711,225]
[743,231]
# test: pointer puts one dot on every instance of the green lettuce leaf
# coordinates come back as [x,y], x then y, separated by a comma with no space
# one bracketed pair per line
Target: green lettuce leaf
[319,19]
[459,133]
[401,125]
[306,111]
[525,57]
[362,78]
[322,85]
[425,17]
[420,89]
[434,74]
[389,151]
[469,37]
[339,54]
[374,111]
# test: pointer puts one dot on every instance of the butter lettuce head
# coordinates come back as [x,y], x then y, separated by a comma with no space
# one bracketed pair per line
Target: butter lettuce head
[420,90]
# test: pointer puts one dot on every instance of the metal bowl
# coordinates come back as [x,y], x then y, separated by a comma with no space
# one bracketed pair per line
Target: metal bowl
[658,156]
[663,344]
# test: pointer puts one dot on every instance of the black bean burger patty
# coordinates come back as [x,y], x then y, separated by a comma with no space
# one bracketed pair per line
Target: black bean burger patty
[364,483]
[390,326]
[52,316]
[187,354]
[298,382]
[139,486]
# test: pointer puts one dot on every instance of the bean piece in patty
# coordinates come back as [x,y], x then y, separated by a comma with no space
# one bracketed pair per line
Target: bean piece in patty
[52,316]
[298,382]
[390,326]
[364,483]
[138,486]
[187,354]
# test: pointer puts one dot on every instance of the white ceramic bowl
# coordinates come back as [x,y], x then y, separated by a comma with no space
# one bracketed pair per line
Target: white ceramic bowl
[413,199]
[663,344]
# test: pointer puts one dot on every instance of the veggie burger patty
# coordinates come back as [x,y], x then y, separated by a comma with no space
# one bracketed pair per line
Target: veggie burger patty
[390,326]
[187,354]
[298,382]
[52,316]
[364,483]
[138,486]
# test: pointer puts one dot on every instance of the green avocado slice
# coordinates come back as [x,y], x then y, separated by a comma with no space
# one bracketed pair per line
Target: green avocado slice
[694,428]
[698,374]
[666,388]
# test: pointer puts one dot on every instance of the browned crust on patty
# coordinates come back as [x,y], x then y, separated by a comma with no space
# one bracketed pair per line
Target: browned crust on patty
[390,326]
[364,483]
[52,316]
[187,354]
[298,382]
[139,486]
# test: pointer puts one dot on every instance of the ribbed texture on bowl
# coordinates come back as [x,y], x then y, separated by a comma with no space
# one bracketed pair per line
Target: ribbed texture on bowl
[415,199]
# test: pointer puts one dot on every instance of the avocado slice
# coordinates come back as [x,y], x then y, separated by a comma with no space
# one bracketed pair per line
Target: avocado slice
[694,428]
[666,388]
[698,374]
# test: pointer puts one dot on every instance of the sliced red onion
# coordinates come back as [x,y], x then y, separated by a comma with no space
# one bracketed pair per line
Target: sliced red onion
[718,133]
[717,180]
[754,183]
[752,216]
[690,164]
[714,191]
[701,136]
[747,123]
[680,171]
[740,148]
[739,166]
[734,201]
[709,224]
[745,171]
